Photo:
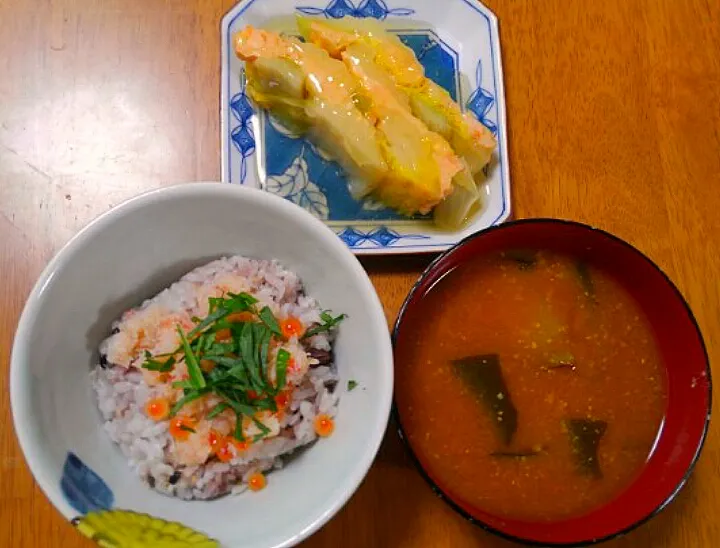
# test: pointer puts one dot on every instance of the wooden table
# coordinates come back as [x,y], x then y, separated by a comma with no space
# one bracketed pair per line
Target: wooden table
[614,120]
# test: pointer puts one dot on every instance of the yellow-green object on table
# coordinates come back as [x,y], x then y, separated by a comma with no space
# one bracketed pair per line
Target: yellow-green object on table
[125,529]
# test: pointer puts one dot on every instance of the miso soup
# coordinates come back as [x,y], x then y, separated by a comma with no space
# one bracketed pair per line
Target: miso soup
[529,385]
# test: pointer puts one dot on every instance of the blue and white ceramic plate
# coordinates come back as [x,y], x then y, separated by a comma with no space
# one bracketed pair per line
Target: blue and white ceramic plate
[458,44]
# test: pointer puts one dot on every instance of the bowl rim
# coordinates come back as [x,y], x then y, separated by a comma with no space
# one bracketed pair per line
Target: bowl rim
[430,269]
[19,372]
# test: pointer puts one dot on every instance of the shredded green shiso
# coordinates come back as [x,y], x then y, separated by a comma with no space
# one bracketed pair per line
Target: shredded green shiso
[237,366]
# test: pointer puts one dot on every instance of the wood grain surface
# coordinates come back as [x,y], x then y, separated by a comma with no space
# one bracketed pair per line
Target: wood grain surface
[614,120]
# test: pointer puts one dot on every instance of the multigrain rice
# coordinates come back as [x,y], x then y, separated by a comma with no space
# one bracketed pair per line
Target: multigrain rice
[122,391]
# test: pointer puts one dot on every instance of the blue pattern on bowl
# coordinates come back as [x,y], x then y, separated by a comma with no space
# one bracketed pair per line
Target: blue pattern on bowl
[83,488]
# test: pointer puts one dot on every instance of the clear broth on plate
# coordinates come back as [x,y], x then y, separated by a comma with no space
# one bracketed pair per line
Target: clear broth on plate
[529,386]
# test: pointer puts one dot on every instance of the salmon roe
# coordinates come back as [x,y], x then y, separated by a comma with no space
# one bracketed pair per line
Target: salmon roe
[283,399]
[224,452]
[220,445]
[257,481]
[182,427]
[157,408]
[214,439]
[324,425]
[240,445]
[291,327]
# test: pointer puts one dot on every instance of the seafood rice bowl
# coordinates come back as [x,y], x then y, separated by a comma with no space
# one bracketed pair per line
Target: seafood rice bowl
[147,386]
[218,379]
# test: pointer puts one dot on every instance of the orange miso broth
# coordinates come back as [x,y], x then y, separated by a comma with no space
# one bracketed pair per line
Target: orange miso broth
[529,385]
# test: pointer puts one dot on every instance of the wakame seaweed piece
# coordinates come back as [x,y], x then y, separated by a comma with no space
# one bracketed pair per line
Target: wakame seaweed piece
[516,454]
[586,282]
[525,258]
[585,436]
[484,374]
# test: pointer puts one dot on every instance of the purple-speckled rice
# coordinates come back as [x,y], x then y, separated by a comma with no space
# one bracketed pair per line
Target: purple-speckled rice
[122,393]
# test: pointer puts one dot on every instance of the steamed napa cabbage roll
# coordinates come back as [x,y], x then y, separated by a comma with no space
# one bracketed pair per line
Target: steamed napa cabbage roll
[422,164]
[353,108]
[304,87]
[470,139]
[390,53]
[418,153]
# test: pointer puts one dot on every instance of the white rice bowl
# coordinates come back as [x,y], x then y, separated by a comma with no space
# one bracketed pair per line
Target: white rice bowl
[129,255]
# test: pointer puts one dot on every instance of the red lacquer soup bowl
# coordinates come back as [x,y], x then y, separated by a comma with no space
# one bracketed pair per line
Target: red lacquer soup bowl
[681,347]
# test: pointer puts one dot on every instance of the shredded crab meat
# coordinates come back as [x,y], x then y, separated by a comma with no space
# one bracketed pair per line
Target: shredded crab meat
[153,329]
[196,449]
[220,287]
